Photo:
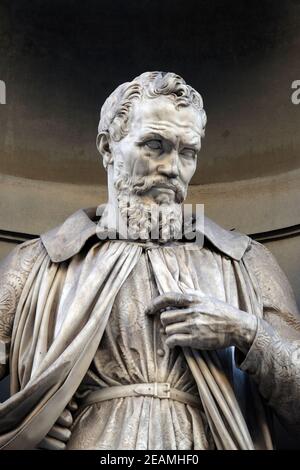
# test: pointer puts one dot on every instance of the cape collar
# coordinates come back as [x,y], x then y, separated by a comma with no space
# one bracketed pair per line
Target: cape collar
[67,240]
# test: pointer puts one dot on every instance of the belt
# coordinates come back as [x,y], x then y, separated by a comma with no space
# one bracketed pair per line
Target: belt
[156,390]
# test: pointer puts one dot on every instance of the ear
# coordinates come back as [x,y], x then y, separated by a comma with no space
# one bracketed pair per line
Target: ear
[103,147]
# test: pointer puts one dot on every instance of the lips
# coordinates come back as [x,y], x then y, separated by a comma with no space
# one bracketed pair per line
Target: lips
[164,186]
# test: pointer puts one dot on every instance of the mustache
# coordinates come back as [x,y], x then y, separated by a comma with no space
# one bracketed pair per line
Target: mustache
[144,184]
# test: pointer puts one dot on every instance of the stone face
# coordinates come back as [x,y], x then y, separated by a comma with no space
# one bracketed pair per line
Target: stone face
[126,336]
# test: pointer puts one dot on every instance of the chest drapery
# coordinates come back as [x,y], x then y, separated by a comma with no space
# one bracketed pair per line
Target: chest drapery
[68,327]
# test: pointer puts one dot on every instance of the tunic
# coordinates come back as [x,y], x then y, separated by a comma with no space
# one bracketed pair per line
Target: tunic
[133,350]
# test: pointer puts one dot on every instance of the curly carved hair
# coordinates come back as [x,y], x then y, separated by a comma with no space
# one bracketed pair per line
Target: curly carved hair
[115,112]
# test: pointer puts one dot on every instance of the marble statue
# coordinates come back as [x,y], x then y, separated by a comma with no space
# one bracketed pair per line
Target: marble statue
[147,342]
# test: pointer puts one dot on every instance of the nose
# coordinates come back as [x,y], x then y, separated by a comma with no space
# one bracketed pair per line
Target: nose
[169,166]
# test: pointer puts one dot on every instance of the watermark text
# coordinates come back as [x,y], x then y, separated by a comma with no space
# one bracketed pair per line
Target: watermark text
[2,92]
[295,97]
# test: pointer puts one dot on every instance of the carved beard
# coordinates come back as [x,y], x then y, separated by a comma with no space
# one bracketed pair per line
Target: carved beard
[161,219]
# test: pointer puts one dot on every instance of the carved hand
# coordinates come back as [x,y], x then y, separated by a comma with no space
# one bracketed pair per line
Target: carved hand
[203,322]
[60,433]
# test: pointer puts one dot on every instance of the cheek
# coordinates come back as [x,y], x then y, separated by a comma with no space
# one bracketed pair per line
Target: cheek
[142,163]
[187,170]
[125,157]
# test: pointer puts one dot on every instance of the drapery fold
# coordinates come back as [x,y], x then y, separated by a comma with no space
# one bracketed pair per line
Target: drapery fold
[226,421]
[50,372]
[56,335]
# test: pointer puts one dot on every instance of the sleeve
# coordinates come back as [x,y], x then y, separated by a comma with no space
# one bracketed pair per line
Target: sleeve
[14,271]
[273,360]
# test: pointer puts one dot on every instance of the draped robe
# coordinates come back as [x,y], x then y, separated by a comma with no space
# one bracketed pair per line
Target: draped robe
[58,293]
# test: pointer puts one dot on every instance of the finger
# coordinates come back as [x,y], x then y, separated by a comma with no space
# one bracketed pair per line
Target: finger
[171,299]
[49,443]
[178,328]
[178,340]
[72,405]
[65,419]
[175,316]
[60,433]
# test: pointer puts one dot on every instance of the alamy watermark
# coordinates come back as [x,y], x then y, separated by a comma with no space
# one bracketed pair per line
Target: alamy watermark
[157,223]
[295,97]
[2,92]
[2,353]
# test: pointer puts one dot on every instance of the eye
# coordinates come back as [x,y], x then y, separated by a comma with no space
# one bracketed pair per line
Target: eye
[188,153]
[154,144]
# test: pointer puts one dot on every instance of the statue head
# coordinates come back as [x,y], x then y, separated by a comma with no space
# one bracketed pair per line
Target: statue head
[149,137]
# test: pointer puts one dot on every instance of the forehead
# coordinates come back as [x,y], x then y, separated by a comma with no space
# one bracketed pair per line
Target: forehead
[161,116]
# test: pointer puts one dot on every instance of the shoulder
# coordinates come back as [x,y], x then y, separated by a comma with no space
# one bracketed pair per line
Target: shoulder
[230,243]
[274,285]
[14,271]
[22,257]
[263,262]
